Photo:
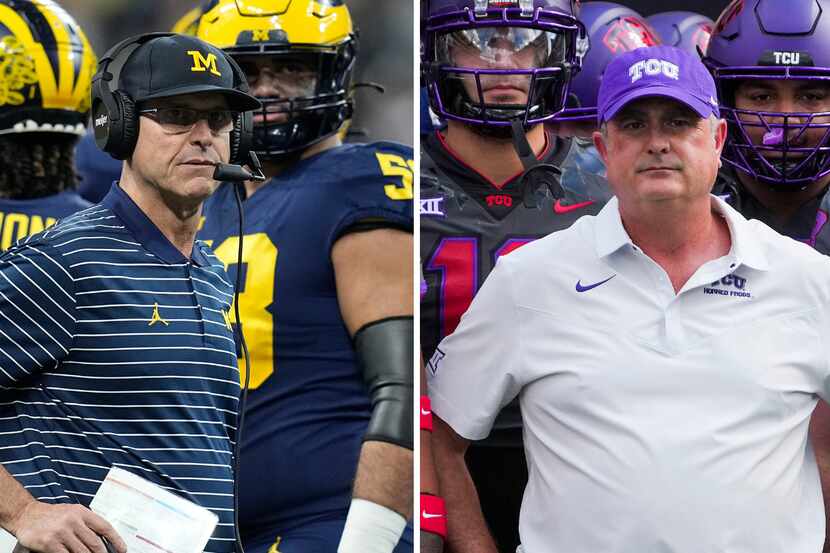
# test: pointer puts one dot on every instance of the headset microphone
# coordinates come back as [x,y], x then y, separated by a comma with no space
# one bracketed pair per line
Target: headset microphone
[225,172]
[237,175]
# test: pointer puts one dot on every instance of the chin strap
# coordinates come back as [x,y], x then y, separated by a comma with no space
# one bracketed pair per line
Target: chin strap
[535,173]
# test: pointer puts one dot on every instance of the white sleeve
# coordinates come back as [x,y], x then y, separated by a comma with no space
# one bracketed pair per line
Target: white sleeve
[476,370]
[824,392]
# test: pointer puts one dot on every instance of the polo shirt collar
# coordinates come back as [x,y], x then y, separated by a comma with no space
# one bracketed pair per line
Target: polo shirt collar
[746,248]
[145,231]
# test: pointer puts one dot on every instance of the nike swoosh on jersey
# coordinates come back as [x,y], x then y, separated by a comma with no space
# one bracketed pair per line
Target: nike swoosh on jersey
[581,288]
[559,208]
[425,413]
[430,515]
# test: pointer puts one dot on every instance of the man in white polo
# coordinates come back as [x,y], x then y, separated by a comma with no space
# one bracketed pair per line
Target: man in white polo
[667,353]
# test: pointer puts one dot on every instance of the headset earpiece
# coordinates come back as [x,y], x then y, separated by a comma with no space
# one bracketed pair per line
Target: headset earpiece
[241,138]
[114,118]
[242,135]
[127,134]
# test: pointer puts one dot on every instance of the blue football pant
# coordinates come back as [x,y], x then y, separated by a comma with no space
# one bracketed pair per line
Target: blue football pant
[317,537]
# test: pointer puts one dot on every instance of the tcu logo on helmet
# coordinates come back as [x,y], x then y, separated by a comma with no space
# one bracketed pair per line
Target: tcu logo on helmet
[787,58]
[653,67]
[701,36]
[628,34]
[728,14]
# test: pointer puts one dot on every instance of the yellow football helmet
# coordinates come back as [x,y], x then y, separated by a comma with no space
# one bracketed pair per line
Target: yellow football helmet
[46,67]
[187,24]
[316,34]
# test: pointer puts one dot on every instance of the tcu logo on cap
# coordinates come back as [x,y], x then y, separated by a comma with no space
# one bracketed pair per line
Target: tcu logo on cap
[202,63]
[653,67]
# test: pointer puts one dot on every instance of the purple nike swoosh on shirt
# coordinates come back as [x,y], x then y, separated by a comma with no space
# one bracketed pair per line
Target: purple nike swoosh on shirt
[580,288]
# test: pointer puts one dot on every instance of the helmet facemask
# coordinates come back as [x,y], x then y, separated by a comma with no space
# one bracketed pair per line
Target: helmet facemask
[313,100]
[490,70]
[786,150]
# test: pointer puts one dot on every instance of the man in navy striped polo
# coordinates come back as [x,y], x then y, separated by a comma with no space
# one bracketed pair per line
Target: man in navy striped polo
[115,345]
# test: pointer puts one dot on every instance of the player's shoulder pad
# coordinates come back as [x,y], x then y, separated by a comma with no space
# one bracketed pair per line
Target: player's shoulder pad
[374,162]
[375,186]
[433,179]
[375,174]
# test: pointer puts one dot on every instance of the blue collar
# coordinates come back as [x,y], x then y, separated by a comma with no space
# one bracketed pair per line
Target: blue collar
[146,233]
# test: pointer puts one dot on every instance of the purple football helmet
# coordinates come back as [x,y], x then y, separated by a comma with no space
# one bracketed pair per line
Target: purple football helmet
[489,62]
[687,30]
[773,40]
[613,29]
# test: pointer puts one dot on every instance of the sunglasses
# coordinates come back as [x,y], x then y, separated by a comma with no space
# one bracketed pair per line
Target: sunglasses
[180,120]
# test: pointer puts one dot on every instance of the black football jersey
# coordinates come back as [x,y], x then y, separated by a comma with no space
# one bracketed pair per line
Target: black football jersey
[808,224]
[467,222]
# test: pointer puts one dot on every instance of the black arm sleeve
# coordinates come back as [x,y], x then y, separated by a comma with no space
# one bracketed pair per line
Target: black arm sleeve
[385,349]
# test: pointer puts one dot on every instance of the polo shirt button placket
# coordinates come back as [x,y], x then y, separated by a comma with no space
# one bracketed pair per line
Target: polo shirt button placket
[196,302]
[674,332]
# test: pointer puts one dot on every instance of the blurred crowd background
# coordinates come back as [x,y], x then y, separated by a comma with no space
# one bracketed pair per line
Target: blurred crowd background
[385,56]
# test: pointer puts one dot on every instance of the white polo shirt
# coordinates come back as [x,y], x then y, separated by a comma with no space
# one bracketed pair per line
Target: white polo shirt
[654,422]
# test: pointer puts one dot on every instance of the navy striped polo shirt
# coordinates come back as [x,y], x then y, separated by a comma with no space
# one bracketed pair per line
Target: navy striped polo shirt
[116,350]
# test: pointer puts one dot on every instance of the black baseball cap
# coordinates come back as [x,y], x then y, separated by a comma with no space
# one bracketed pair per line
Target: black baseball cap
[180,64]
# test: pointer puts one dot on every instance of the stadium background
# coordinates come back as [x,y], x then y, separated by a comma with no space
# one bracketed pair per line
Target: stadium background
[385,54]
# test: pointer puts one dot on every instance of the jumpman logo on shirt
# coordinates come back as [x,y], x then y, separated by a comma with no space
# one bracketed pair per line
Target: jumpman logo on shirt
[156,318]
[275,545]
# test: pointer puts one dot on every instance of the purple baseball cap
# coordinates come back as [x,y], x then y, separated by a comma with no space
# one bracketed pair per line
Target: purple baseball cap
[663,71]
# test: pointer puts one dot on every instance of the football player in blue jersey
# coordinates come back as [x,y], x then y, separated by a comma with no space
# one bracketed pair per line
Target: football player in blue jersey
[46,63]
[326,304]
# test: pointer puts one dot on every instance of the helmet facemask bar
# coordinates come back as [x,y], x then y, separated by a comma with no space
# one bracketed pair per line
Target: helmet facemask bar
[546,82]
[783,149]
[311,117]
[578,114]
[542,90]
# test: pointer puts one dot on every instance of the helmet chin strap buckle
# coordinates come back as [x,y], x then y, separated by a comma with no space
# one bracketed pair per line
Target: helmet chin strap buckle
[535,173]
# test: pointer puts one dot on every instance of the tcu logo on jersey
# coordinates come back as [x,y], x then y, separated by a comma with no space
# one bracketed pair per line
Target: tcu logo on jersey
[499,199]
[653,67]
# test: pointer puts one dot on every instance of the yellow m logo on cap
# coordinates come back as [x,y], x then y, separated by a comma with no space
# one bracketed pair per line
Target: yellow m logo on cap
[202,63]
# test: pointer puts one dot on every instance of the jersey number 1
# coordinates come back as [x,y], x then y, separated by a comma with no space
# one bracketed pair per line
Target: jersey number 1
[457,262]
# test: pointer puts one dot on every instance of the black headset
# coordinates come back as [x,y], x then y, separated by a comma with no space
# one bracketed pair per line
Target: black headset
[114,116]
